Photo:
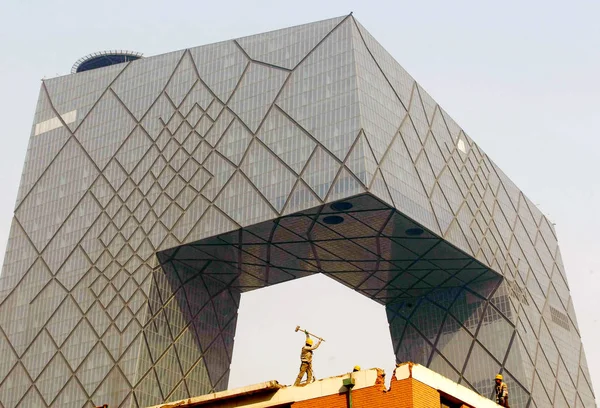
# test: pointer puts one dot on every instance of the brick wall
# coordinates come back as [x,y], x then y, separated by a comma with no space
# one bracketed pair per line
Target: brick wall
[423,395]
[407,393]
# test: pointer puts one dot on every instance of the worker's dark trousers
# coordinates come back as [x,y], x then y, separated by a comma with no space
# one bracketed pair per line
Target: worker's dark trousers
[305,368]
[503,404]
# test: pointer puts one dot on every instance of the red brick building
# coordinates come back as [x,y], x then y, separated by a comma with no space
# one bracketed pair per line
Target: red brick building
[411,386]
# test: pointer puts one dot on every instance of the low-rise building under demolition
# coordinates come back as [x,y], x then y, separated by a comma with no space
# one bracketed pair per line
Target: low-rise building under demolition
[411,386]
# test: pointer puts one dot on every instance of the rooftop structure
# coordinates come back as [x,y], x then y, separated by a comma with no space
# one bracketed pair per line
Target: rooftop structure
[411,386]
[104,59]
[155,192]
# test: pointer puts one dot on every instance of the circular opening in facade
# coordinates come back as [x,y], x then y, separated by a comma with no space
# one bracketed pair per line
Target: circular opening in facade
[341,206]
[104,59]
[414,232]
[333,220]
[409,305]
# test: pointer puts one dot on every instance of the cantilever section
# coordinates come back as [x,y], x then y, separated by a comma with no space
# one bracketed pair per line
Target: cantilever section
[433,292]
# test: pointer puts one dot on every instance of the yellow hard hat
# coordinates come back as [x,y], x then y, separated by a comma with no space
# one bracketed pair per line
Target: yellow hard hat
[357,368]
[499,377]
[309,342]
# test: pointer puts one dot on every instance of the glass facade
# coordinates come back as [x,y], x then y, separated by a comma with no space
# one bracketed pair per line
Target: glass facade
[156,191]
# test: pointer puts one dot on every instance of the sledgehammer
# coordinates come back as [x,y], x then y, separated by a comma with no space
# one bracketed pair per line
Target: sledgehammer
[316,337]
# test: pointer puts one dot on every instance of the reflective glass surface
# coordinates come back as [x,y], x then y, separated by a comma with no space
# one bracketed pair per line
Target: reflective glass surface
[155,192]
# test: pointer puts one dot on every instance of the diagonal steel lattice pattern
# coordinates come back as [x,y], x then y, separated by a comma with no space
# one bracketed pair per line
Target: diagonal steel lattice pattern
[155,192]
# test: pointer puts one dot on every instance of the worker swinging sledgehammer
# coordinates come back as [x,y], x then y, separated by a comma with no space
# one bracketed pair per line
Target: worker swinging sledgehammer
[306,357]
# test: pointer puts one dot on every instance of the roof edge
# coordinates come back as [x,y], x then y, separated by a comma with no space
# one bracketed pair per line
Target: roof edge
[260,388]
[442,384]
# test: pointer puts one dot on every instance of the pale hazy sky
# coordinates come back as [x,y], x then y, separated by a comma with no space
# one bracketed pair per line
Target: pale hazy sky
[521,77]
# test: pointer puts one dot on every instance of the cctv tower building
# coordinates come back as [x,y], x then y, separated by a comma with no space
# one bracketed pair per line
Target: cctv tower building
[157,190]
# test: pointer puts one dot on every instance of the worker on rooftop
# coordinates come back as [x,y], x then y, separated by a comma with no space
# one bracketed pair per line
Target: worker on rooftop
[306,360]
[501,392]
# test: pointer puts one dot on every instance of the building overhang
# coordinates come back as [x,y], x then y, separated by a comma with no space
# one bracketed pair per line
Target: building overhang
[361,242]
